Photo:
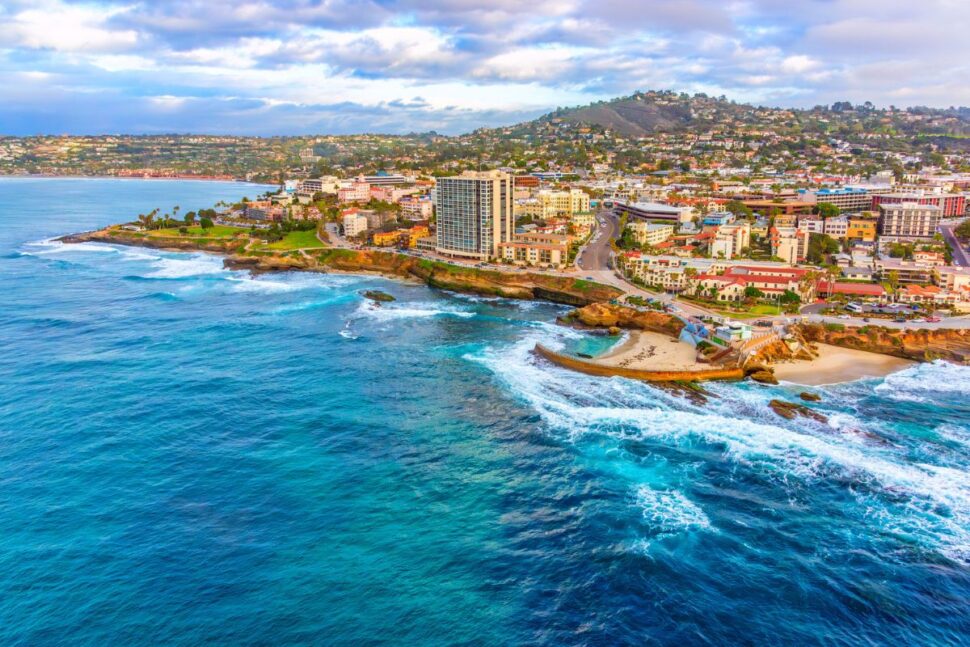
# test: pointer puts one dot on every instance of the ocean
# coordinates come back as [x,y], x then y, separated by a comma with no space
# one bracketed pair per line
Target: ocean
[190,455]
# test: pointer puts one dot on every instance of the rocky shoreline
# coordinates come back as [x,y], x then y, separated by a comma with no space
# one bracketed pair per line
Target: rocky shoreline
[531,286]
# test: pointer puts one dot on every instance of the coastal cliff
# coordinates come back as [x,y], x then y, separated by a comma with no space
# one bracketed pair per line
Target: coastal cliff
[922,345]
[607,315]
[446,276]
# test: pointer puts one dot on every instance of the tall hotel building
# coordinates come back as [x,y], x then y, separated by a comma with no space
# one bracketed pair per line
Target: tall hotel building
[474,214]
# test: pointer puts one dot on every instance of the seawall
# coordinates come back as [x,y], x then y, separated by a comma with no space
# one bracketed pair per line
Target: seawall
[592,368]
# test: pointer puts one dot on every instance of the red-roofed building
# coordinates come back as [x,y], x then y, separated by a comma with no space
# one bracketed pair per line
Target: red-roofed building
[863,290]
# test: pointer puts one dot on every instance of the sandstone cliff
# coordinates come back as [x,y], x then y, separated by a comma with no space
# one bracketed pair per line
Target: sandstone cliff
[921,345]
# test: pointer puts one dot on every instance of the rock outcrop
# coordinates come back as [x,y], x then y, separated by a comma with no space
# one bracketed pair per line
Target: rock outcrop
[447,276]
[922,345]
[791,410]
[607,315]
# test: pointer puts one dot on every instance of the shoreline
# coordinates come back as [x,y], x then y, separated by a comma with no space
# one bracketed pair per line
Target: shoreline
[837,365]
[388,264]
[42,176]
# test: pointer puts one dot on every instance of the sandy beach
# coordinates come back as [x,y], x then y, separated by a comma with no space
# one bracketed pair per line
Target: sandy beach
[836,364]
[651,351]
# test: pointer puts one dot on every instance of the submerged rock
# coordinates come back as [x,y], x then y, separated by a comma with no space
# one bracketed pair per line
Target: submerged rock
[810,397]
[790,410]
[377,295]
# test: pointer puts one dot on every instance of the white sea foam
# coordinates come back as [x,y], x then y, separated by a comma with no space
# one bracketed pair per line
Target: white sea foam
[668,512]
[923,382]
[50,246]
[391,312]
[171,267]
[741,423]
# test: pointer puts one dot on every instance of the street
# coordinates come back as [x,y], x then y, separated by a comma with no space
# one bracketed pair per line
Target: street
[960,255]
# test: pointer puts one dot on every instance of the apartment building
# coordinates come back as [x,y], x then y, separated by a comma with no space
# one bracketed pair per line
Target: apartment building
[789,244]
[908,220]
[416,208]
[950,205]
[845,198]
[730,240]
[474,214]
[862,228]
[355,192]
[354,224]
[542,250]
[836,227]
[650,234]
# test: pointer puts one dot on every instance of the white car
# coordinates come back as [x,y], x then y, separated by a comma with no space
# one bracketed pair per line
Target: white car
[844,317]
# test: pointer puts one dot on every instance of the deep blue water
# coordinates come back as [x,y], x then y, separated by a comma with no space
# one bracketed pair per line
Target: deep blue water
[190,455]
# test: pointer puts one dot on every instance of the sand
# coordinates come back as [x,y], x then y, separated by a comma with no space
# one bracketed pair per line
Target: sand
[651,351]
[836,365]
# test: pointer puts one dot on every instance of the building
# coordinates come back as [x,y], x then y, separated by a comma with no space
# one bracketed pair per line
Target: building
[789,244]
[950,205]
[650,234]
[906,271]
[541,250]
[354,223]
[311,186]
[554,204]
[416,208]
[812,223]
[655,211]
[845,198]
[474,214]
[862,228]
[836,227]
[772,281]
[730,240]
[381,179]
[386,238]
[908,220]
[356,192]
[718,218]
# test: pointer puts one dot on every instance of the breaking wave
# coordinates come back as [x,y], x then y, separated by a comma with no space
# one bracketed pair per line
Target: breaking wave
[931,502]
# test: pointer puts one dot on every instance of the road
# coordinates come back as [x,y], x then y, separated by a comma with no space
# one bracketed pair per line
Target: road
[960,255]
[597,252]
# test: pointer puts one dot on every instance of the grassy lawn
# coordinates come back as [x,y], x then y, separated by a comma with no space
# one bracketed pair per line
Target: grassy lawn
[296,240]
[218,231]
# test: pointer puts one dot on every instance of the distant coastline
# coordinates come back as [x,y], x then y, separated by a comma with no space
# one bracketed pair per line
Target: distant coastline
[79,176]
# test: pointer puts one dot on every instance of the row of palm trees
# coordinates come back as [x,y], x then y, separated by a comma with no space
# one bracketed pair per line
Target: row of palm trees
[151,220]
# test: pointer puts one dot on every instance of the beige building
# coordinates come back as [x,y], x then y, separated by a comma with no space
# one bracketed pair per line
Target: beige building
[789,244]
[730,240]
[552,204]
[650,234]
[474,214]
[541,250]
[354,224]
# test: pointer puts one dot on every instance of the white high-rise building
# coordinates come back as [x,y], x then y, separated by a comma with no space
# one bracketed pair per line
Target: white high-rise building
[474,214]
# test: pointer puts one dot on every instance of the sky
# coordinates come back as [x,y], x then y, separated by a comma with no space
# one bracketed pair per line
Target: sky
[289,67]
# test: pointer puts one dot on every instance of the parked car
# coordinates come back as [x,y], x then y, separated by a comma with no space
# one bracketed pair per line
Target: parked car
[900,319]
[933,319]
[865,319]
[844,317]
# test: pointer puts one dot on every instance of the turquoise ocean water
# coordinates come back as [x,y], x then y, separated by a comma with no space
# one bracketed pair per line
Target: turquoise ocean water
[190,455]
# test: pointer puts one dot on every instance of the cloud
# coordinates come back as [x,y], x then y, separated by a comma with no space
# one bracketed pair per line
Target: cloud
[271,66]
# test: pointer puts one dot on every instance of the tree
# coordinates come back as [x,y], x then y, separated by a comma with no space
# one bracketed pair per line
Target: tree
[789,296]
[752,292]
[206,223]
[189,218]
[738,208]
[892,279]
[963,229]
[827,210]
